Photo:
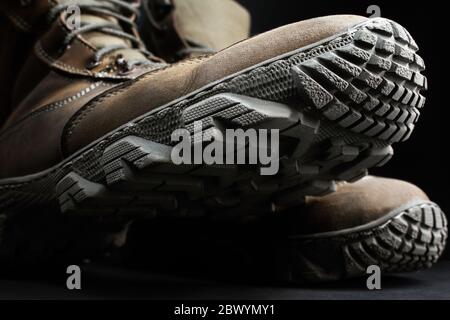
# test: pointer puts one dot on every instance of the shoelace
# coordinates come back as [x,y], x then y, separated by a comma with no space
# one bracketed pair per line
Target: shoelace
[107,8]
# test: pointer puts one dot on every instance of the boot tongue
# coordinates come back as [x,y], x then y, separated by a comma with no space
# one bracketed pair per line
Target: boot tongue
[214,24]
[179,29]
[101,40]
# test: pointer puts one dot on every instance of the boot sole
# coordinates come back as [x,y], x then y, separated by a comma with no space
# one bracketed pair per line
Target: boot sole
[340,104]
[406,240]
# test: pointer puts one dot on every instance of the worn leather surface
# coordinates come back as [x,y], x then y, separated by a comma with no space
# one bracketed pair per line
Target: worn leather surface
[52,85]
[179,29]
[50,136]
[162,86]
[355,204]
[34,143]
[215,24]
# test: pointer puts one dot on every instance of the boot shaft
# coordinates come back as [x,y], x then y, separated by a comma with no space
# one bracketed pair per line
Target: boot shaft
[47,61]
[178,29]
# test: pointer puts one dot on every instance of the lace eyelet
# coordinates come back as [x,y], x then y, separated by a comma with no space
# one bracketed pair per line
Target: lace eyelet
[93,64]
[122,65]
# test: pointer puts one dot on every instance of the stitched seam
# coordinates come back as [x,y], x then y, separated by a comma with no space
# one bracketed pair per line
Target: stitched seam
[90,107]
[193,98]
[62,103]
[84,113]
[65,67]
[49,108]
[57,169]
[44,55]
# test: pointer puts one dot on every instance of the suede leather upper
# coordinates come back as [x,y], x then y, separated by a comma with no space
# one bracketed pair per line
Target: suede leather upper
[162,86]
[54,113]
[53,84]
[215,24]
[355,204]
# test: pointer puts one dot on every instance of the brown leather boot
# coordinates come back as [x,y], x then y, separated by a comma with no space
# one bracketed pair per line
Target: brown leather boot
[365,205]
[93,113]
[179,29]
[375,221]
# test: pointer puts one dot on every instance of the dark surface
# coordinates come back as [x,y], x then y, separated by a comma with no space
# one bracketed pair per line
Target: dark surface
[114,283]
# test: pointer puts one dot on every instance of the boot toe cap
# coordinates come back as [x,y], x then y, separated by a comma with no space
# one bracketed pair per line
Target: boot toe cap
[359,203]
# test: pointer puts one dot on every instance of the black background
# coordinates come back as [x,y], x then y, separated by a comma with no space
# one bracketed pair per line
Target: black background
[423,159]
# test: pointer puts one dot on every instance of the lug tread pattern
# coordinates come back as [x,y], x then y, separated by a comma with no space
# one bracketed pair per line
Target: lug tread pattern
[356,94]
[412,240]
[139,173]
[375,80]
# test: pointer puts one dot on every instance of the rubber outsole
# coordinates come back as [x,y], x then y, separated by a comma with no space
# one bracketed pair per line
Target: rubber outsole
[411,240]
[338,104]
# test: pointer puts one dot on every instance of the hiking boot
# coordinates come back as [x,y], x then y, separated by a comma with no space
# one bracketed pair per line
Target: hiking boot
[197,23]
[384,222]
[94,112]
[179,29]
[376,221]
